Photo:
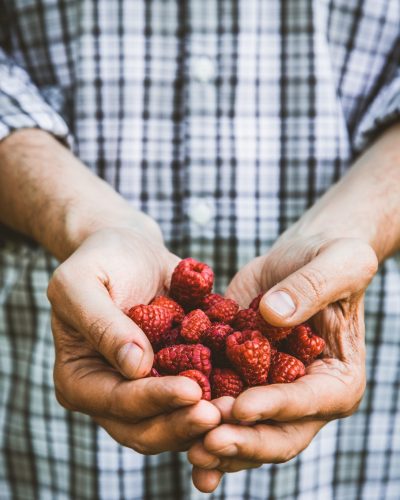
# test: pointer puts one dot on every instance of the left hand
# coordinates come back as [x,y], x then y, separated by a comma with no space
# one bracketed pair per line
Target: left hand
[306,277]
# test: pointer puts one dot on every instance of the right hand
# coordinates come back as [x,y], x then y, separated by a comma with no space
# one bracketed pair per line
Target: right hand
[102,355]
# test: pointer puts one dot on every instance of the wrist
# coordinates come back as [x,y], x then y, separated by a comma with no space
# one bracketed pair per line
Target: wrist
[119,216]
[364,203]
[49,195]
[324,229]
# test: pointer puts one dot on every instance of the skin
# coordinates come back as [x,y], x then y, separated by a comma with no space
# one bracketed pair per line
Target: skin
[112,258]
[324,263]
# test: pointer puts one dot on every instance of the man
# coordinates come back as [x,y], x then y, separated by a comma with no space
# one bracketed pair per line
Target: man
[222,123]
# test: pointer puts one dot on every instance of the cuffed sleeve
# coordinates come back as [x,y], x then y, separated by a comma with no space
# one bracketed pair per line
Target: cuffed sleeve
[384,111]
[22,106]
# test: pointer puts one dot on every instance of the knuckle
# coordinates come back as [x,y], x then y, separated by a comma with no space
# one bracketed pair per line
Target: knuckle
[370,261]
[354,399]
[58,280]
[311,280]
[99,332]
[54,286]
[366,256]
[140,444]
[65,389]
[63,402]
[62,390]
[293,443]
[288,454]
[228,465]
[142,448]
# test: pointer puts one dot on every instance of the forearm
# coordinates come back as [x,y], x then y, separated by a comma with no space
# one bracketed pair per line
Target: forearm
[47,194]
[366,202]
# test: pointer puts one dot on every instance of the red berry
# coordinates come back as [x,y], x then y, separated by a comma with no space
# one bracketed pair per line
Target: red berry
[194,326]
[174,359]
[210,300]
[273,333]
[215,336]
[255,303]
[250,353]
[155,321]
[171,305]
[246,319]
[191,281]
[170,337]
[225,382]
[201,379]
[223,311]
[285,368]
[304,344]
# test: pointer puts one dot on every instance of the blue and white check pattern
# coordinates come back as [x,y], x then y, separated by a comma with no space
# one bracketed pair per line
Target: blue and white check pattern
[224,120]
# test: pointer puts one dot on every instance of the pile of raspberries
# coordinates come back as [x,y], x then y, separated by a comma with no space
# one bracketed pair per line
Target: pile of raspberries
[204,336]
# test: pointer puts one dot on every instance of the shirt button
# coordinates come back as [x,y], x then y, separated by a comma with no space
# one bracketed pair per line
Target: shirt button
[203,69]
[201,212]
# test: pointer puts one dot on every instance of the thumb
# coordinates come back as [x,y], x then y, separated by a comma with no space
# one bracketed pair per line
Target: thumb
[89,309]
[342,268]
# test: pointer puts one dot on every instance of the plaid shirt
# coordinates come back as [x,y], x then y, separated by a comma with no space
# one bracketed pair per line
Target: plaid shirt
[224,120]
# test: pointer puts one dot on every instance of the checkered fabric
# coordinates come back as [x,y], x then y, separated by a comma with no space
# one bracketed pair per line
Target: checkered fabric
[224,120]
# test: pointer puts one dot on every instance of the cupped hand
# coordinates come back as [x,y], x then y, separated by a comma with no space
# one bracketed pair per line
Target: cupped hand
[305,277]
[102,356]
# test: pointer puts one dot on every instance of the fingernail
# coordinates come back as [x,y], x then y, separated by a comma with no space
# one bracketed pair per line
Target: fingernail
[251,420]
[211,465]
[129,358]
[229,451]
[281,303]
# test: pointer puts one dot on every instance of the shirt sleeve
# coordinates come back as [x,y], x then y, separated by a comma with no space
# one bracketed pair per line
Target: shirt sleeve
[22,105]
[384,111]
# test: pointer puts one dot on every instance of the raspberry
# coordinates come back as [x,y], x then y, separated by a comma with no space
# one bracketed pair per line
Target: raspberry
[177,358]
[225,382]
[255,303]
[285,368]
[304,344]
[273,333]
[223,311]
[194,325]
[201,379]
[171,305]
[155,321]
[191,281]
[250,354]
[215,337]
[210,300]
[246,319]
[170,337]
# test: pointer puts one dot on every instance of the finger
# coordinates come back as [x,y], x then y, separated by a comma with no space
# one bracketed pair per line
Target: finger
[236,465]
[93,388]
[246,284]
[304,398]
[225,405]
[341,269]
[88,384]
[87,306]
[200,457]
[261,443]
[167,432]
[206,480]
